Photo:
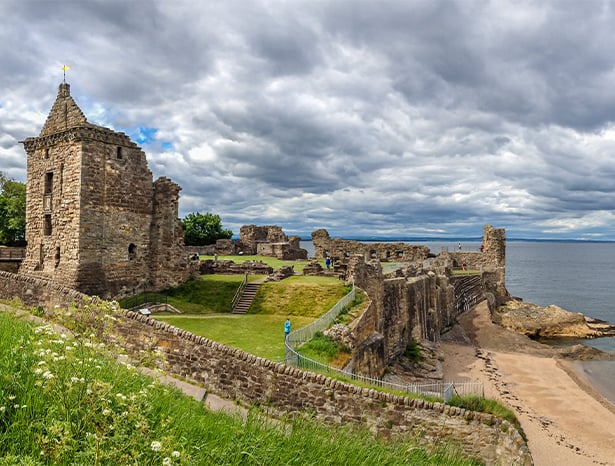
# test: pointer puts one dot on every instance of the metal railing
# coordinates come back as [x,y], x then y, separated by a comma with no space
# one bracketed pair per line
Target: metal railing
[239,292]
[322,323]
[438,389]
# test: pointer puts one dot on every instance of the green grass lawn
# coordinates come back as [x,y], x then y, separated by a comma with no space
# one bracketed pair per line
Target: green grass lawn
[261,335]
[206,305]
[299,296]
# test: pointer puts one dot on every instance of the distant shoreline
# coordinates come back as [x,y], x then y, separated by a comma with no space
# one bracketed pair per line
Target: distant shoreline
[376,239]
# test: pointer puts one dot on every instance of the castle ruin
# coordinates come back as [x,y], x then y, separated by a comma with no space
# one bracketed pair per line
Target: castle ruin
[95,219]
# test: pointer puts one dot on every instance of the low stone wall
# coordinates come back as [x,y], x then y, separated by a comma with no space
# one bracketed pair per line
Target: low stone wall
[35,291]
[287,390]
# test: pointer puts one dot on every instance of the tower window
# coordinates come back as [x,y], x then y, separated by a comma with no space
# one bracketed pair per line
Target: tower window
[132,251]
[48,183]
[47,225]
[57,257]
[119,153]
[46,153]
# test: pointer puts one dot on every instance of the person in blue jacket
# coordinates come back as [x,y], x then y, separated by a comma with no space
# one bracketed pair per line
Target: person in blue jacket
[287,327]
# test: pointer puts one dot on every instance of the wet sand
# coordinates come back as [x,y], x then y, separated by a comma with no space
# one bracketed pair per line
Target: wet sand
[565,420]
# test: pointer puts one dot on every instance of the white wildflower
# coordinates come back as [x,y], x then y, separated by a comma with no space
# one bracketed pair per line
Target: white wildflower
[167,461]
[2,409]
[156,445]
[48,375]
[175,454]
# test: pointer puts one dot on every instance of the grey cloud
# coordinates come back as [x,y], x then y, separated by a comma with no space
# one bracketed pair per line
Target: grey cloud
[394,117]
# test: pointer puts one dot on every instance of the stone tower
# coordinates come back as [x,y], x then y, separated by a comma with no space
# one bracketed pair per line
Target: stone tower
[95,220]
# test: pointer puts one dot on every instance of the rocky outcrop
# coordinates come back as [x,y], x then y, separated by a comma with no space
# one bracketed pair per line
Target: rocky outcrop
[549,321]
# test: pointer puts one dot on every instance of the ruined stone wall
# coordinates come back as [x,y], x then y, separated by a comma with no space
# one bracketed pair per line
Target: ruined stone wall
[251,235]
[270,241]
[410,309]
[168,262]
[339,248]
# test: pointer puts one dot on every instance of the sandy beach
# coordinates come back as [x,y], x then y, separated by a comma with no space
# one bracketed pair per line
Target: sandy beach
[566,422]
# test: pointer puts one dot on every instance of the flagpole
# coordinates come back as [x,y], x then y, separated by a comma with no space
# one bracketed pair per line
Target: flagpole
[64,68]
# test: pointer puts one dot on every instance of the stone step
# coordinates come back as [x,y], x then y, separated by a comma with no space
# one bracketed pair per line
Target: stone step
[247,297]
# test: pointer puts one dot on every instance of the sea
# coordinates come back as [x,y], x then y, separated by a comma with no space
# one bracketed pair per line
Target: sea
[577,276]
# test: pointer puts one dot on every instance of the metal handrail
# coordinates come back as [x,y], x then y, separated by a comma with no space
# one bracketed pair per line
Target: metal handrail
[239,292]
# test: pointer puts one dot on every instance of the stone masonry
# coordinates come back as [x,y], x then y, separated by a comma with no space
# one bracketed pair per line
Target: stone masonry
[421,301]
[95,220]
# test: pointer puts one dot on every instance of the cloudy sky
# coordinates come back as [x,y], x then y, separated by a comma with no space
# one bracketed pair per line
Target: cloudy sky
[386,117]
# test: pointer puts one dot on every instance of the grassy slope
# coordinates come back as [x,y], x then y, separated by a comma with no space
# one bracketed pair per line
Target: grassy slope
[63,402]
[261,331]
[261,335]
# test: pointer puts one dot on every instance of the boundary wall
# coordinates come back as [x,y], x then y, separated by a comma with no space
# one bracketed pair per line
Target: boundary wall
[285,390]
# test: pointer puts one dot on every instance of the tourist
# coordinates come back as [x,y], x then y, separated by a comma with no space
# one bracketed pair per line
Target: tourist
[328,262]
[287,327]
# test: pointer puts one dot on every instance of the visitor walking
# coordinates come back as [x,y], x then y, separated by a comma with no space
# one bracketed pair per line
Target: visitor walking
[287,327]
[328,262]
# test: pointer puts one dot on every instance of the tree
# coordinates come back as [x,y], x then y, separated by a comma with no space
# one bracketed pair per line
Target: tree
[201,229]
[12,212]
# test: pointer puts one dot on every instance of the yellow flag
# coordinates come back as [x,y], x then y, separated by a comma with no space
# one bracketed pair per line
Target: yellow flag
[65,68]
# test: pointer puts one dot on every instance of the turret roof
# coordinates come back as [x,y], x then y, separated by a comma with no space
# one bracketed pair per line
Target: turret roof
[64,114]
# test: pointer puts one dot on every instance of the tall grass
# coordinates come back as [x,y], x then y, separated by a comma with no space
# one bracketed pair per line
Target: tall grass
[62,401]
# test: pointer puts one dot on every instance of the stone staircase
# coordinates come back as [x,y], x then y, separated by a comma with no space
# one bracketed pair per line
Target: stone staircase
[246,298]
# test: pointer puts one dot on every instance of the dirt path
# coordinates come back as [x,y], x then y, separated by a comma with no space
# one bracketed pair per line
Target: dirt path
[565,422]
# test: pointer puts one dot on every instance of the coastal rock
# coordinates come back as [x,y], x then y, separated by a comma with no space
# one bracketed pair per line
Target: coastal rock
[549,321]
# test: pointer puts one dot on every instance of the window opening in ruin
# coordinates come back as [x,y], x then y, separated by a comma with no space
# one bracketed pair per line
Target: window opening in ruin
[132,251]
[327,253]
[372,254]
[47,225]
[57,257]
[46,153]
[347,253]
[48,183]
[400,254]
[388,254]
[61,177]
[119,153]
